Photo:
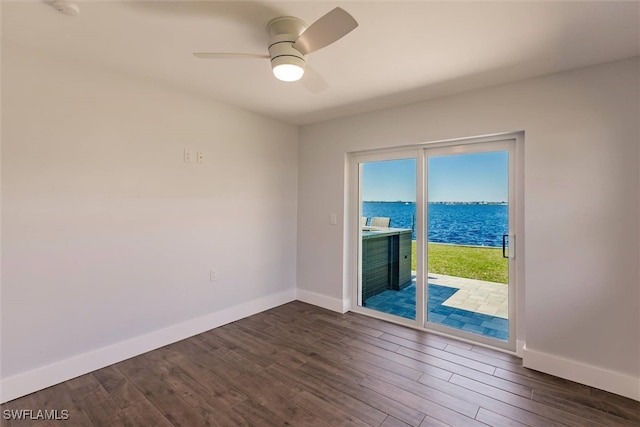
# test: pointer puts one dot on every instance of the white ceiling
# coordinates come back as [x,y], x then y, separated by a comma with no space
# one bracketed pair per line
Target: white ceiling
[401,52]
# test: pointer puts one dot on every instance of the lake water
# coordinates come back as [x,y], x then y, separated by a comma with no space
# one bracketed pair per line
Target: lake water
[464,224]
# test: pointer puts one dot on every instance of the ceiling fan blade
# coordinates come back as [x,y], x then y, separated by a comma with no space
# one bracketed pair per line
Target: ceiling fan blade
[227,55]
[326,30]
[313,81]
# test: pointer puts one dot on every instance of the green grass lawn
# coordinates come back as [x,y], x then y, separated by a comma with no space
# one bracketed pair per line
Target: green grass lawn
[465,261]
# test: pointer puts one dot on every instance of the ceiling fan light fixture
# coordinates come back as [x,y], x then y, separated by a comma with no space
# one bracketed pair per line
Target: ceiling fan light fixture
[291,40]
[288,68]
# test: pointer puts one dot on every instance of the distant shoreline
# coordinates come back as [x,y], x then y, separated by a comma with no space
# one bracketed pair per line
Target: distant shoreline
[439,203]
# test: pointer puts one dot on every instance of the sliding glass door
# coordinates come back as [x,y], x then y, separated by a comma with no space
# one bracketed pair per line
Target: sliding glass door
[468,235]
[436,238]
[387,213]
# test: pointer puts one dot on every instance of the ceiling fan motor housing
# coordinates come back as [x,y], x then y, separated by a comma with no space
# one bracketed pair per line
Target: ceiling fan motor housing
[283,32]
[282,51]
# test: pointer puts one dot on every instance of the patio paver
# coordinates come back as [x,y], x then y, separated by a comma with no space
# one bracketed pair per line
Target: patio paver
[470,305]
[475,295]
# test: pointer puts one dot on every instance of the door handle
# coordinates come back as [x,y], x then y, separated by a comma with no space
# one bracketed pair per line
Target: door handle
[512,246]
[504,246]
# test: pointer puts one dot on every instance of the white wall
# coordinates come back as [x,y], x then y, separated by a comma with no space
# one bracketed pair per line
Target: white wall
[109,236]
[582,301]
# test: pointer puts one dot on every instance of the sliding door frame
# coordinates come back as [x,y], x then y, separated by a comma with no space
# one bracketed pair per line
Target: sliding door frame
[497,145]
[353,205]
[356,160]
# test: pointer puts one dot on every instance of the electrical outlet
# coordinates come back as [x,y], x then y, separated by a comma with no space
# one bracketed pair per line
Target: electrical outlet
[200,157]
[213,275]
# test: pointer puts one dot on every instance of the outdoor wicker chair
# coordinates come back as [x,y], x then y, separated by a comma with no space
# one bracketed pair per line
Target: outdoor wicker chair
[381,222]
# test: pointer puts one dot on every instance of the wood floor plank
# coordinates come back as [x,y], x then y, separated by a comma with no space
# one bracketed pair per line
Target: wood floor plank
[96,402]
[486,359]
[492,380]
[266,392]
[225,363]
[460,404]
[432,409]
[294,336]
[438,362]
[331,414]
[349,354]
[278,397]
[523,403]
[301,365]
[368,405]
[583,408]
[356,358]
[453,358]
[332,333]
[201,389]
[193,378]
[446,400]
[404,342]
[493,419]
[343,330]
[343,323]
[60,397]
[485,401]
[550,380]
[254,350]
[373,399]
[255,414]
[597,401]
[331,373]
[393,422]
[129,399]
[535,382]
[384,344]
[341,398]
[617,405]
[45,423]
[422,337]
[497,354]
[172,406]
[210,396]
[432,422]
[412,362]
[279,349]
[371,365]
[208,340]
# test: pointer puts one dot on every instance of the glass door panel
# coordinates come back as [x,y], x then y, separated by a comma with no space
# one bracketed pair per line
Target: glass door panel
[387,237]
[467,237]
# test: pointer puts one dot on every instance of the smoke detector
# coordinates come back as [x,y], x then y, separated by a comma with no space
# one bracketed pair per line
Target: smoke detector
[67,7]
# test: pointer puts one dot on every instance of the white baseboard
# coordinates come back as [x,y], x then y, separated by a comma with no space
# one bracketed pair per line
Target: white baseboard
[323,301]
[346,305]
[46,376]
[611,381]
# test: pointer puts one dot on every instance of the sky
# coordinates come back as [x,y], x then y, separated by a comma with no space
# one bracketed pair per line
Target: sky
[458,178]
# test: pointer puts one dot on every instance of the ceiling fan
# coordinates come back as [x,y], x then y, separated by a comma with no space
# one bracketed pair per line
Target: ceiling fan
[291,40]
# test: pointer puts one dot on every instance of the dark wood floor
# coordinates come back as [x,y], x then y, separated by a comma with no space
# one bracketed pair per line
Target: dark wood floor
[299,365]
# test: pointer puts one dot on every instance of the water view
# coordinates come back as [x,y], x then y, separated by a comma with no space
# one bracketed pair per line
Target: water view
[476,224]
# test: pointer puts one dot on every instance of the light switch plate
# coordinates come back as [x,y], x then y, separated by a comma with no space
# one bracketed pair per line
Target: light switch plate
[188,156]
